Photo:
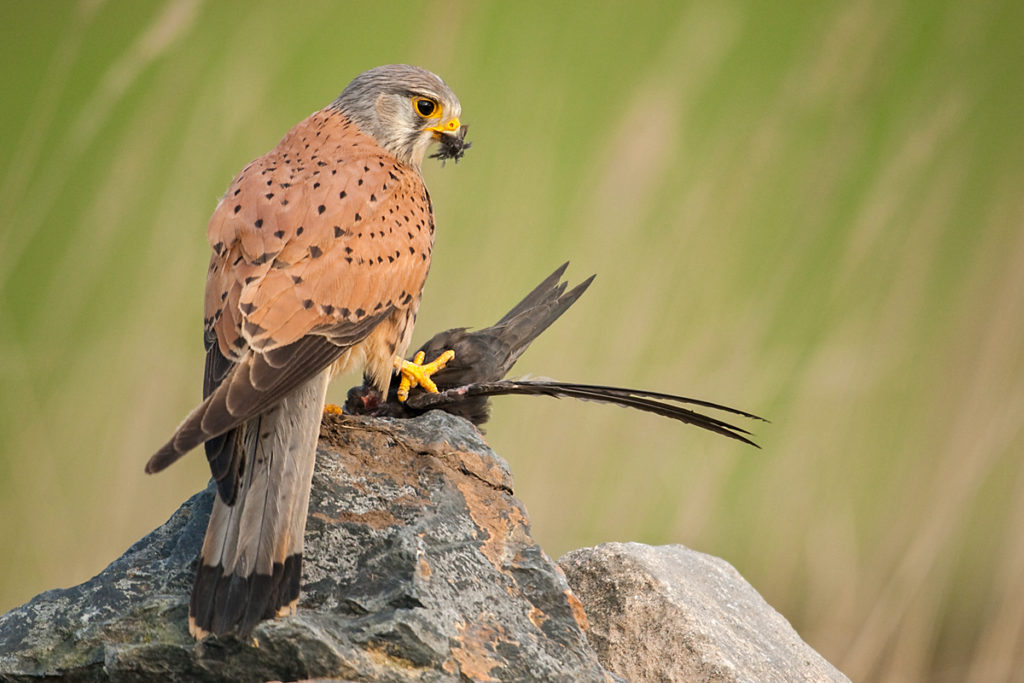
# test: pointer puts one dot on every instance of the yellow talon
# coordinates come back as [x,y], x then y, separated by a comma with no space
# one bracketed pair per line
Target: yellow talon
[417,373]
[332,409]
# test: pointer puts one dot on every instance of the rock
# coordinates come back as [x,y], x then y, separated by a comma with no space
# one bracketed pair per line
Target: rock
[419,566]
[672,614]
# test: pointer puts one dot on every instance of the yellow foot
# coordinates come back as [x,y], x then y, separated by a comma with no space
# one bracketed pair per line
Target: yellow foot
[416,373]
[332,409]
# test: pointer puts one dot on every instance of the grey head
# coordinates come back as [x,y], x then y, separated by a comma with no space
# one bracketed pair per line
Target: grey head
[404,108]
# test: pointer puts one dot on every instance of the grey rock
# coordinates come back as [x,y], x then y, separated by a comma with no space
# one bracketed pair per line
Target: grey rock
[672,614]
[419,566]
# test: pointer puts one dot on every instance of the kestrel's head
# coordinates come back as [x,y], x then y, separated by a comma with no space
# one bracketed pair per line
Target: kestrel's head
[405,108]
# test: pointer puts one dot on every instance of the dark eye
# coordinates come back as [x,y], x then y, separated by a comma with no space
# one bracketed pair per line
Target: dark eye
[424,107]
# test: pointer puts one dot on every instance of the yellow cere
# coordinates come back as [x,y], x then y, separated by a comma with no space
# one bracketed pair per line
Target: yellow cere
[449,125]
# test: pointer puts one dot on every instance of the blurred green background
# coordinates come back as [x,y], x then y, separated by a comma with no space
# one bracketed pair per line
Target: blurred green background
[811,210]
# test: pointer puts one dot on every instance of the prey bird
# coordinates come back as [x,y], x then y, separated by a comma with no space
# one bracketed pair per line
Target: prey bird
[320,250]
[484,357]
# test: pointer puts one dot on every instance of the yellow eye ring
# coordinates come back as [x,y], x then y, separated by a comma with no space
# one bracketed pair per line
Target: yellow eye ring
[426,107]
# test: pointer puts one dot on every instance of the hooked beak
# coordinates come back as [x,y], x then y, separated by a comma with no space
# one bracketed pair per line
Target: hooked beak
[446,127]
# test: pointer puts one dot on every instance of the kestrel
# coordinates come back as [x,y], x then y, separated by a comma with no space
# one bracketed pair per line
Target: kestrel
[320,250]
[484,357]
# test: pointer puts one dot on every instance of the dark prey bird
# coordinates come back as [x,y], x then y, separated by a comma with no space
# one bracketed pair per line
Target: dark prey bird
[483,358]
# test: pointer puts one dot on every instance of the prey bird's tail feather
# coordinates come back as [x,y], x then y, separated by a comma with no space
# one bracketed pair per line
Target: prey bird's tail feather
[649,401]
[251,560]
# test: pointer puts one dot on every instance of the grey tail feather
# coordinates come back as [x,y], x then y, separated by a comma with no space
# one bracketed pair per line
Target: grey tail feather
[251,562]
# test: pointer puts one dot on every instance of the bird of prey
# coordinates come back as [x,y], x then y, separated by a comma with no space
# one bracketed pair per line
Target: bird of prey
[320,250]
[483,358]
